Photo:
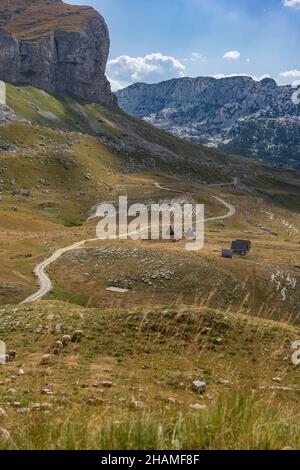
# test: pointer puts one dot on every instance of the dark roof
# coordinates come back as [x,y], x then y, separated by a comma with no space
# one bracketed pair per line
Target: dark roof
[241,246]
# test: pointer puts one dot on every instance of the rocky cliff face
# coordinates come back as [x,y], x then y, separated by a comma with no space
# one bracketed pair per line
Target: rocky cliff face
[57,47]
[238,114]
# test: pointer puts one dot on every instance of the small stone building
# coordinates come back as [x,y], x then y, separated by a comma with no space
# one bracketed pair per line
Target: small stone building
[241,247]
[227,253]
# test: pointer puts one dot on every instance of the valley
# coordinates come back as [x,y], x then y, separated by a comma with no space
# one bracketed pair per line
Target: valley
[134,344]
[117,372]
[75,170]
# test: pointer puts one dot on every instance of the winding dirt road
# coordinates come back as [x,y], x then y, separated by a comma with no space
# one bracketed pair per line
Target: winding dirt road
[40,270]
[230,207]
[45,281]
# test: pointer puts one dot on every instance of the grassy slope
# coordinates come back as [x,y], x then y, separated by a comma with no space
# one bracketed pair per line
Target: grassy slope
[71,139]
[46,19]
[151,357]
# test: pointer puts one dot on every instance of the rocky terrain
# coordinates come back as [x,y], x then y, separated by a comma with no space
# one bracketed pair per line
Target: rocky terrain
[237,115]
[56,47]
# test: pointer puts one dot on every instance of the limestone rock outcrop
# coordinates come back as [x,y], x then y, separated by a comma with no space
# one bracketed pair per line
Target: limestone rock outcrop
[56,47]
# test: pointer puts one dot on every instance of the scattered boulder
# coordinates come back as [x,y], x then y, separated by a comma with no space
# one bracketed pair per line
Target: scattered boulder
[171,400]
[2,413]
[16,404]
[47,391]
[46,359]
[137,404]
[94,401]
[59,345]
[219,341]
[66,340]
[12,355]
[224,382]
[41,406]
[197,406]
[199,386]
[4,434]
[277,379]
[23,410]
[107,384]
[77,336]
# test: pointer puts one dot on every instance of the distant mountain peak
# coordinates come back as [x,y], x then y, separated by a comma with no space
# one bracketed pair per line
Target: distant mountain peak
[236,114]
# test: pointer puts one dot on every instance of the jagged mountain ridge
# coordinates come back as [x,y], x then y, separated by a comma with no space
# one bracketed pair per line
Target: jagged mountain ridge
[236,114]
[57,47]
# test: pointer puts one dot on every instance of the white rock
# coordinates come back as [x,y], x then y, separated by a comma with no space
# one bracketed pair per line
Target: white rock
[107,383]
[199,386]
[77,336]
[277,379]
[224,382]
[46,359]
[136,403]
[59,345]
[16,404]
[66,339]
[4,434]
[197,406]
[21,372]
[172,400]
[23,410]
[46,391]
[219,341]
[2,413]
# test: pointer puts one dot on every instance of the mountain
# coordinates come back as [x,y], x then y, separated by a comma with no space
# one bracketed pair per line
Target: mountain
[235,114]
[134,344]
[185,317]
[56,47]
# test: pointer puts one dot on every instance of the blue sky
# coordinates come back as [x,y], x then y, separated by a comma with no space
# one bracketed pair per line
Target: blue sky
[154,40]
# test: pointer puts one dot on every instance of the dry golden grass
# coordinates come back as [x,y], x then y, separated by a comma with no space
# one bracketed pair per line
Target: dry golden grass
[203,327]
[37,21]
[151,356]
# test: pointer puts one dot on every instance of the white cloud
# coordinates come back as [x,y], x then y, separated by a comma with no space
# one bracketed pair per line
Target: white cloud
[154,67]
[230,75]
[291,3]
[290,74]
[196,56]
[232,55]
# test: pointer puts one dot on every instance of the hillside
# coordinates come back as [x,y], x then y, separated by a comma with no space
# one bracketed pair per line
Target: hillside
[60,157]
[134,389]
[236,114]
[190,314]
